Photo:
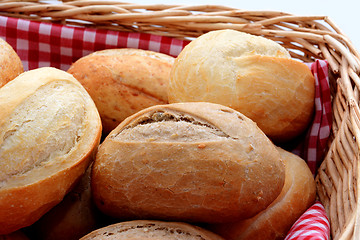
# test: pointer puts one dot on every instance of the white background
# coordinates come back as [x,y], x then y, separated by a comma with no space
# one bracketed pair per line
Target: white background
[345,13]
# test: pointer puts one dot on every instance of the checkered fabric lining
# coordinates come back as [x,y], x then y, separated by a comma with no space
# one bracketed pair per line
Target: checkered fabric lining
[312,225]
[42,44]
[313,147]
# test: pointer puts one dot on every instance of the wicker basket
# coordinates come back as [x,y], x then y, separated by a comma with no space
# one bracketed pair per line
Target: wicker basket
[306,37]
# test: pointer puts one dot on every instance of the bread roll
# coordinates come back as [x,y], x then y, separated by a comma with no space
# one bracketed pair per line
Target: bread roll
[123,81]
[250,74]
[150,229]
[49,130]
[75,216]
[198,162]
[10,63]
[297,195]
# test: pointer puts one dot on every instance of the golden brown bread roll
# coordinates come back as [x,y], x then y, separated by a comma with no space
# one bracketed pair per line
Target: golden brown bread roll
[10,63]
[123,81]
[297,195]
[49,130]
[75,216]
[198,162]
[250,74]
[150,229]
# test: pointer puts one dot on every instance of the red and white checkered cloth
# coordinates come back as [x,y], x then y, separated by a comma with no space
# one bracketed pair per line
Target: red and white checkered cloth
[313,146]
[42,44]
[312,225]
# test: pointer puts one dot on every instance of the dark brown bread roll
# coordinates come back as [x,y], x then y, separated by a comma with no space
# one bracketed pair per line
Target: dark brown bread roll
[75,216]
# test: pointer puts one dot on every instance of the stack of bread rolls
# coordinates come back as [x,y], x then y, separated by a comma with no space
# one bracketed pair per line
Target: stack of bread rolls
[190,146]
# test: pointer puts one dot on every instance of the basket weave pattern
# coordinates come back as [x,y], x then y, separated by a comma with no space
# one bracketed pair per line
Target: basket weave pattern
[306,37]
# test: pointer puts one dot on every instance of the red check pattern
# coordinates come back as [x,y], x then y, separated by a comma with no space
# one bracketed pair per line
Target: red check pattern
[42,44]
[312,225]
[313,147]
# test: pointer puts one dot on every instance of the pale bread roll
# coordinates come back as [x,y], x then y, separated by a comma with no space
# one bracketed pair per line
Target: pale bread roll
[10,63]
[49,131]
[150,229]
[250,74]
[198,162]
[297,195]
[123,81]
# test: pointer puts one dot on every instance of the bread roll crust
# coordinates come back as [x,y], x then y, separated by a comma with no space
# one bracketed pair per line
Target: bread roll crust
[10,63]
[155,165]
[297,195]
[151,229]
[250,74]
[49,131]
[123,81]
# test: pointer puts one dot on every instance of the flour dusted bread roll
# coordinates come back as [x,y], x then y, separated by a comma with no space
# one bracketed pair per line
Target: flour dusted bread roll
[123,81]
[10,63]
[297,195]
[151,229]
[250,74]
[49,130]
[198,162]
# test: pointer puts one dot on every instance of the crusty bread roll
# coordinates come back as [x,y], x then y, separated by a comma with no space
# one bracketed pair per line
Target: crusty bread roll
[10,63]
[151,229]
[250,74]
[123,81]
[49,130]
[198,162]
[75,216]
[297,195]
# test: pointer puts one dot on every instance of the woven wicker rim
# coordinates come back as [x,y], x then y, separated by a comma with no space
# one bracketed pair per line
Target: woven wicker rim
[306,37]
[294,32]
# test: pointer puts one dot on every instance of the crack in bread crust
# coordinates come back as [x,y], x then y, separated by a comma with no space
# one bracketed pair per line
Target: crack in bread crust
[164,125]
[149,230]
